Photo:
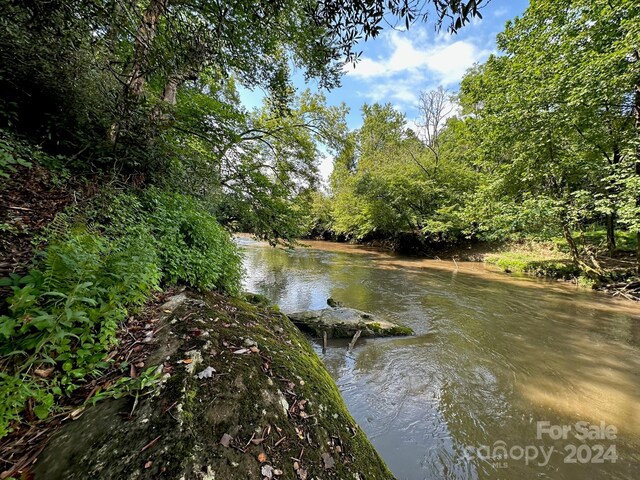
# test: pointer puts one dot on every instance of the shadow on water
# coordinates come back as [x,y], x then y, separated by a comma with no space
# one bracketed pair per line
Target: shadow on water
[492,356]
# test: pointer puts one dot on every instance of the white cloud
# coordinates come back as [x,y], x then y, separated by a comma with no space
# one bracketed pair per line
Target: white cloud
[500,12]
[452,61]
[446,62]
[400,90]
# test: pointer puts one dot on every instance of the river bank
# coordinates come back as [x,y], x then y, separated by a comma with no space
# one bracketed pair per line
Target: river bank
[551,260]
[239,394]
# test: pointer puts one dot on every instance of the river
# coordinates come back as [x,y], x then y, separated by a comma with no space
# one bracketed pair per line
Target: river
[548,372]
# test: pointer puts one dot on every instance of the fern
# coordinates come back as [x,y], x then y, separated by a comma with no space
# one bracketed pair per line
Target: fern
[66,312]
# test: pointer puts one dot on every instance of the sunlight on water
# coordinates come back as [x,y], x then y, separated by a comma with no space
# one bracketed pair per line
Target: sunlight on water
[492,356]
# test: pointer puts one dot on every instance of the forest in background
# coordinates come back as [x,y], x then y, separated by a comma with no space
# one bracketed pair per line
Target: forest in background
[540,148]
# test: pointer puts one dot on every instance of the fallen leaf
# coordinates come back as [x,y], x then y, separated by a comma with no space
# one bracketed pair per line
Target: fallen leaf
[206,373]
[302,473]
[241,351]
[187,360]
[262,457]
[43,372]
[254,349]
[267,471]
[76,413]
[277,472]
[329,463]
[226,440]
[149,464]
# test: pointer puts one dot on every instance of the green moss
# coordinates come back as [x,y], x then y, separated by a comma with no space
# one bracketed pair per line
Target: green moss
[256,299]
[243,399]
[532,264]
[292,358]
[396,331]
[401,330]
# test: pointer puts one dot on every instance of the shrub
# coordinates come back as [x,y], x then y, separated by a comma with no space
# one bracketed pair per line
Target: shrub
[63,317]
[61,320]
[12,155]
[192,247]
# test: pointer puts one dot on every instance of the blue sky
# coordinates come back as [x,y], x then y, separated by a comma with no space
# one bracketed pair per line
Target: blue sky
[397,65]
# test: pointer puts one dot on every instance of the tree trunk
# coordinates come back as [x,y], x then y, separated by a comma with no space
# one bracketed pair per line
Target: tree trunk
[611,233]
[170,92]
[589,271]
[636,113]
[613,192]
[144,38]
[136,79]
[169,97]
[573,248]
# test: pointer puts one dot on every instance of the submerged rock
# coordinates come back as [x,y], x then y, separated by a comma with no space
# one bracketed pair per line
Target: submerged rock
[342,322]
[243,397]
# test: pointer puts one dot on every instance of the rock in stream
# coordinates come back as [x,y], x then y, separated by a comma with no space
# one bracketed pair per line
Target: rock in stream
[343,322]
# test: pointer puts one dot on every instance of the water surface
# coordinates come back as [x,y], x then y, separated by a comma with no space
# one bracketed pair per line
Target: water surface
[492,356]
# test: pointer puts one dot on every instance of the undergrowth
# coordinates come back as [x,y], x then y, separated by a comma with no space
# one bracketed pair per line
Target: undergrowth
[543,259]
[60,321]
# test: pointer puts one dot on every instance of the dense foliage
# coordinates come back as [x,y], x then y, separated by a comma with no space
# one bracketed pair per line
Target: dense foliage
[541,141]
[148,89]
[101,262]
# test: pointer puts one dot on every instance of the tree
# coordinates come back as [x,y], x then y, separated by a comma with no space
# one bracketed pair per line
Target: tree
[385,184]
[558,103]
[146,89]
[435,107]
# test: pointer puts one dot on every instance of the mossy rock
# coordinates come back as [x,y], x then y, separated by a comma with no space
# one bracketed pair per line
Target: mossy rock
[268,399]
[256,299]
[341,322]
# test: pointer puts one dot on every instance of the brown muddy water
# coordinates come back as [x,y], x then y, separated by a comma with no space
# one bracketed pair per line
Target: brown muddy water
[506,378]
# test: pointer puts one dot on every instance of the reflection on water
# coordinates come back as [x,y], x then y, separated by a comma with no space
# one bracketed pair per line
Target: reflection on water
[491,357]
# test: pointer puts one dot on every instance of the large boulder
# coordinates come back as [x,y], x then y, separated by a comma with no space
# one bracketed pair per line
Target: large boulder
[243,397]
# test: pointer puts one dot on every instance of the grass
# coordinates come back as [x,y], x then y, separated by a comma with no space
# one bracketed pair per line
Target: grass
[552,258]
[514,262]
[532,258]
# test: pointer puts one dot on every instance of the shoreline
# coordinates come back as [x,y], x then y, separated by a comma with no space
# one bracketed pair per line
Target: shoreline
[515,260]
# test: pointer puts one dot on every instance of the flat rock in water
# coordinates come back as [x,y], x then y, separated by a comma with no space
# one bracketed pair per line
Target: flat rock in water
[342,322]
